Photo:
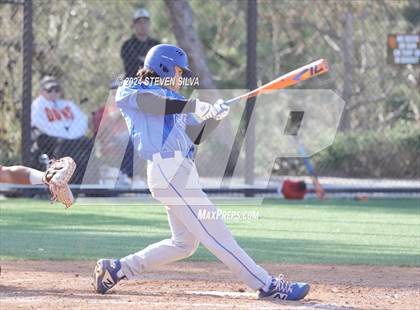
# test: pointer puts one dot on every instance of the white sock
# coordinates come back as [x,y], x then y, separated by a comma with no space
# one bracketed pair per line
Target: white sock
[35,176]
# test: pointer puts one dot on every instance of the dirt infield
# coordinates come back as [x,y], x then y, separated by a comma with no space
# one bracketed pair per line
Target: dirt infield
[187,285]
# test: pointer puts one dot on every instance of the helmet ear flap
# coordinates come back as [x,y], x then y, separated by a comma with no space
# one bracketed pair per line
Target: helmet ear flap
[164,68]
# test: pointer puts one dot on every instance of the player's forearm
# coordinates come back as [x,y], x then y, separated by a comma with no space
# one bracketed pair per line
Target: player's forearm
[158,105]
[20,175]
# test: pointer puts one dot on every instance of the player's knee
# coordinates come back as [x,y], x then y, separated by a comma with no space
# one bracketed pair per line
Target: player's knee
[187,247]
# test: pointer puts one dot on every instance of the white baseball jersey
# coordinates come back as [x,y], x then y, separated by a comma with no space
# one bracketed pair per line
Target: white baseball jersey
[60,119]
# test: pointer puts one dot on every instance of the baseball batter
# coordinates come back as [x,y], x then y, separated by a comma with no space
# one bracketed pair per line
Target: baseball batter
[158,119]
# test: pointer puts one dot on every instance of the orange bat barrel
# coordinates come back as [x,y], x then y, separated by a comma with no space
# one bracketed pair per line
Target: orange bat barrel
[296,76]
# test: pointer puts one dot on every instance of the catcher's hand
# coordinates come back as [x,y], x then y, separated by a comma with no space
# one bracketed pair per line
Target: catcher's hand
[57,177]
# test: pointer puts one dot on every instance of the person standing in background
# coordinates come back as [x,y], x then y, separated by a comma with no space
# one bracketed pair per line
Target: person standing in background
[133,53]
[134,50]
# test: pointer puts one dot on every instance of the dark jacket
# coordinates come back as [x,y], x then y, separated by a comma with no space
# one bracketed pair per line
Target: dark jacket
[133,53]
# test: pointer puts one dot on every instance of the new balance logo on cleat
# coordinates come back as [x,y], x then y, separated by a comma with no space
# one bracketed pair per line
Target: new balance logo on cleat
[107,281]
[280,296]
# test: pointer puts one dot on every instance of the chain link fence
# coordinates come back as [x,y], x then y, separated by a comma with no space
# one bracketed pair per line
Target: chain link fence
[80,44]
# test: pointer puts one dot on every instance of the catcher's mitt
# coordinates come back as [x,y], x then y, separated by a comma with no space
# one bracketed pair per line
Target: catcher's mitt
[57,177]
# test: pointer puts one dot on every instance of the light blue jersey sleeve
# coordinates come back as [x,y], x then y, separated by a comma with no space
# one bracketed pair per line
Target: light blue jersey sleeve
[151,133]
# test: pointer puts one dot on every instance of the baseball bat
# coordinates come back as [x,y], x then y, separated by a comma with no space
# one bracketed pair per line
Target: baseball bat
[304,73]
[319,190]
[292,127]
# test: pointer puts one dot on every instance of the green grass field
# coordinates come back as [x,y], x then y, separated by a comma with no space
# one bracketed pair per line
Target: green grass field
[383,232]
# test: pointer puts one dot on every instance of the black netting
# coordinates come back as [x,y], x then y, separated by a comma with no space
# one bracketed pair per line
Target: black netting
[80,44]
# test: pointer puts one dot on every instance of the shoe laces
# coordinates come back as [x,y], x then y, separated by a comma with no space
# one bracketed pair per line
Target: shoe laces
[282,285]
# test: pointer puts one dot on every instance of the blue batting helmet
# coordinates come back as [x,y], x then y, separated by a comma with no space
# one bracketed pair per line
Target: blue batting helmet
[163,57]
